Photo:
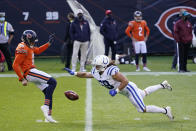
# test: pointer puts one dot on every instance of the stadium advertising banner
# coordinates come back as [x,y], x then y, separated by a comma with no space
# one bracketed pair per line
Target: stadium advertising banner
[49,16]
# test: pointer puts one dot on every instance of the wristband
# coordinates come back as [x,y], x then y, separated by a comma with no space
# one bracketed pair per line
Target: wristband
[75,73]
[117,90]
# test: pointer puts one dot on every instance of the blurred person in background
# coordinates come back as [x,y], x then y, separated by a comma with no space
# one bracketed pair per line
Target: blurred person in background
[175,58]
[183,36]
[68,47]
[80,35]
[6,36]
[108,29]
[139,35]
[2,61]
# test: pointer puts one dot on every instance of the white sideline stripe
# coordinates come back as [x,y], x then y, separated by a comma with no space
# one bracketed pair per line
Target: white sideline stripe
[125,73]
[89,123]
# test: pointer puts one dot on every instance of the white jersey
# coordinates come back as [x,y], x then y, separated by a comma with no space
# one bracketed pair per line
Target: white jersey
[106,79]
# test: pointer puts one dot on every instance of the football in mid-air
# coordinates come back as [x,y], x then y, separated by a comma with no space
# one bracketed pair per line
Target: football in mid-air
[71,95]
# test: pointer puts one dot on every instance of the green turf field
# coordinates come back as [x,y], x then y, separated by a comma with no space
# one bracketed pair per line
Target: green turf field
[20,106]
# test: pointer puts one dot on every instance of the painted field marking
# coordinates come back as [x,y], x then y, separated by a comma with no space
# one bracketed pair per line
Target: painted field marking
[125,73]
[89,123]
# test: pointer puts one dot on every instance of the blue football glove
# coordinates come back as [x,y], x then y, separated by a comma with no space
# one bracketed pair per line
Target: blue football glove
[51,38]
[69,71]
[113,92]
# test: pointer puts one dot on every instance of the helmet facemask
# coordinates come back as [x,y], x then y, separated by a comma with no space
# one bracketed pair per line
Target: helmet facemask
[99,68]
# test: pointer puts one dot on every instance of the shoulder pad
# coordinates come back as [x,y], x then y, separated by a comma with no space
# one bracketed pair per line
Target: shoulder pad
[130,23]
[93,70]
[21,49]
[143,21]
[112,70]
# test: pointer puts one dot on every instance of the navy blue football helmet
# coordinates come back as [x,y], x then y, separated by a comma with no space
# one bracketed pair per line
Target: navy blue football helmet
[29,37]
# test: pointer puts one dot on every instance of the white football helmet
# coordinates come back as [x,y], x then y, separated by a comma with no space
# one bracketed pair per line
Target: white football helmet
[100,62]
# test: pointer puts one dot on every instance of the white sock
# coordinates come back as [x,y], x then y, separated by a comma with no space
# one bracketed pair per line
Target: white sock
[155,109]
[152,89]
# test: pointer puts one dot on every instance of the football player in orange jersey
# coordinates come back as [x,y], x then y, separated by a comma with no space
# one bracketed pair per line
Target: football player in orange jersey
[139,35]
[25,69]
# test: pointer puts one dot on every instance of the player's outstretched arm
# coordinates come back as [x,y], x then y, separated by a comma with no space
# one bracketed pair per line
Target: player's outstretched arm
[39,50]
[79,74]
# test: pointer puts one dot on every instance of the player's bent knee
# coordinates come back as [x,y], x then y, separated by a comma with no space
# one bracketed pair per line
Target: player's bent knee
[52,82]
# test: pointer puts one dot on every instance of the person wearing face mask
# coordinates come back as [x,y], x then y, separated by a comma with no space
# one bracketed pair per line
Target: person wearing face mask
[175,57]
[183,36]
[108,28]
[80,35]
[6,36]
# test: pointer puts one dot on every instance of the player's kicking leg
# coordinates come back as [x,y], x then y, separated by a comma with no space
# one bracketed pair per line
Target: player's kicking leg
[47,84]
[47,107]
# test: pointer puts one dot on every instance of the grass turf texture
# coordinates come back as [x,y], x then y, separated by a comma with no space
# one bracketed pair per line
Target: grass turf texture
[20,106]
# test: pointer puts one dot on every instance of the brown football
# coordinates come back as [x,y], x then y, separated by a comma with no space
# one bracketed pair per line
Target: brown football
[71,95]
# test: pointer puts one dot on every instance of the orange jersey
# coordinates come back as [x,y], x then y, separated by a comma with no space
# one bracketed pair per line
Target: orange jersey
[24,58]
[137,30]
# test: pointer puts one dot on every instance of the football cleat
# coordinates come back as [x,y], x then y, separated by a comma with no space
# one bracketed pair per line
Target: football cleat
[46,121]
[50,119]
[82,69]
[146,69]
[169,113]
[166,85]
[138,69]
[45,110]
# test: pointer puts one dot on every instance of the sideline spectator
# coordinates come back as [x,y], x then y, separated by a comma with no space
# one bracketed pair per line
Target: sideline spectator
[175,58]
[6,36]
[80,34]
[138,28]
[108,29]
[183,35]
[68,47]
[2,60]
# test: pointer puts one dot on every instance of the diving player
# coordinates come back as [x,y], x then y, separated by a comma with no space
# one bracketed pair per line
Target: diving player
[139,35]
[25,69]
[108,75]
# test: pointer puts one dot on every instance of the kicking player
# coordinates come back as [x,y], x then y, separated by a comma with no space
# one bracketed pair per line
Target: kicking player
[138,27]
[108,75]
[25,69]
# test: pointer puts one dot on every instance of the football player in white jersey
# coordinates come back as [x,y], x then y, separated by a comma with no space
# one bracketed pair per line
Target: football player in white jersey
[108,75]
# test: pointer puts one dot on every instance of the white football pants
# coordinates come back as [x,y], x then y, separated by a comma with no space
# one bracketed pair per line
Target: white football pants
[83,47]
[140,47]
[137,95]
[39,78]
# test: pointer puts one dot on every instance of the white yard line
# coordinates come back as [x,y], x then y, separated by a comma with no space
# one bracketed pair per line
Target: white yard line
[125,73]
[89,123]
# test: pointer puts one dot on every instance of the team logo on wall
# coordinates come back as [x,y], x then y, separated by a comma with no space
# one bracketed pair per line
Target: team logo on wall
[162,23]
